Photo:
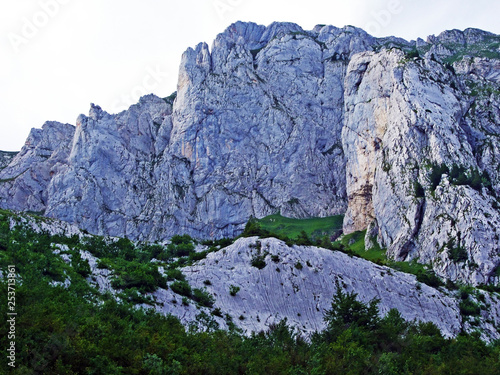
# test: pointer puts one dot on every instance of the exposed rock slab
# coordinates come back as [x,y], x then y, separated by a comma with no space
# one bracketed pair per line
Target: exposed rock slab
[301,296]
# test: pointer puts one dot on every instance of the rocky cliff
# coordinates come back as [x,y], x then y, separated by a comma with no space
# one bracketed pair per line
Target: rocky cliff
[401,136]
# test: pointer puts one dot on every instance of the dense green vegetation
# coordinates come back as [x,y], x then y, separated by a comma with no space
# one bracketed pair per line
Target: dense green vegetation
[74,329]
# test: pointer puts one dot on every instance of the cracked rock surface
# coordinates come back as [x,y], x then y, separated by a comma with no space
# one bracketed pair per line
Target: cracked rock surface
[308,123]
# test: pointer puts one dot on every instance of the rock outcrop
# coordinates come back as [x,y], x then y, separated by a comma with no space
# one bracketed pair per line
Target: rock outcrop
[292,283]
[402,136]
[411,128]
[298,284]
[24,182]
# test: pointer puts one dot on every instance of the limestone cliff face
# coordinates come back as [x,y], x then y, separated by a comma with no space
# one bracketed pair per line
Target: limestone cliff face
[308,123]
[255,129]
[404,118]
[301,295]
[24,181]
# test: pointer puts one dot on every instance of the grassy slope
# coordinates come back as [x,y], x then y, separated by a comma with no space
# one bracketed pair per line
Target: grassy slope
[314,227]
[355,242]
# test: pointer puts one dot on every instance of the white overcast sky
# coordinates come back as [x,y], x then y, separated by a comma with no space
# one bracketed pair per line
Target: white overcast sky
[58,56]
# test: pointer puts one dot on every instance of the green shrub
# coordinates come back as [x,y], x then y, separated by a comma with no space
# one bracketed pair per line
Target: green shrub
[175,274]
[80,265]
[429,277]
[198,256]
[145,277]
[182,288]
[303,239]
[346,311]
[469,308]
[181,246]
[412,54]
[259,261]
[202,297]
[104,264]
[456,253]
[298,265]
[419,190]
[472,177]
[170,99]
[217,312]
[133,296]
[233,290]
[436,174]
[253,228]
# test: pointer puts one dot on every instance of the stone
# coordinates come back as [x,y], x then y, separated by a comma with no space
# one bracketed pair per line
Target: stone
[305,123]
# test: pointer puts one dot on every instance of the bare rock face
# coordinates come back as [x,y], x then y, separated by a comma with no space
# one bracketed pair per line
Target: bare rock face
[298,283]
[108,184]
[400,136]
[295,283]
[403,119]
[24,181]
[255,129]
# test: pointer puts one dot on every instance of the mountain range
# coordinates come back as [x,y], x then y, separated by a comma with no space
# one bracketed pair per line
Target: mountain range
[401,137]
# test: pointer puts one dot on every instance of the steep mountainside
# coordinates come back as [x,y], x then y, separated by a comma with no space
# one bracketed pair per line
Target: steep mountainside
[252,283]
[401,136]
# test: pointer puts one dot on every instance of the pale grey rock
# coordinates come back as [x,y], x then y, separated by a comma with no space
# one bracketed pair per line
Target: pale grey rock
[284,290]
[64,284]
[301,296]
[47,225]
[23,183]
[101,277]
[488,69]
[454,44]
[229,148]
[109,180]
[372,233]
[420,43]
[281,119]
[267,296]
[401,118]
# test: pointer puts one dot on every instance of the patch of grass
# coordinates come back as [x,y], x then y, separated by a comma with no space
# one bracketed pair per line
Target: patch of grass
[315,228]
[354,244]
